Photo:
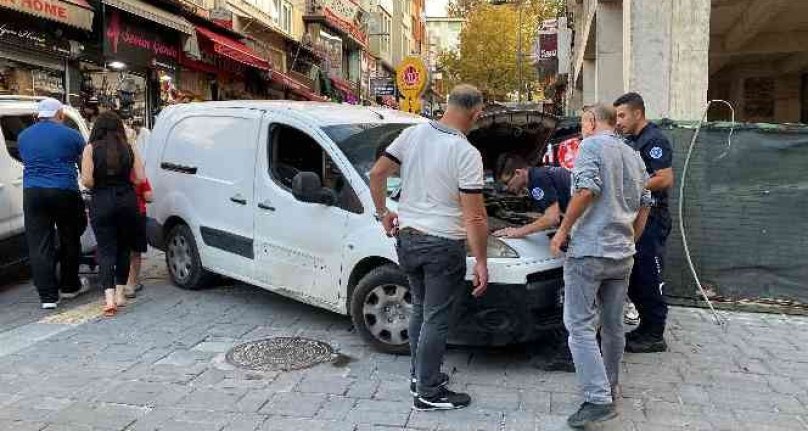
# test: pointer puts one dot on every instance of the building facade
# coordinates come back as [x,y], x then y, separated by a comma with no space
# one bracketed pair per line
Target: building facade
[680,53]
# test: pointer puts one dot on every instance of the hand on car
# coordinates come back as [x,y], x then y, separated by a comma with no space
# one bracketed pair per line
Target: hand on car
[480,279]
[390,223]
[559,239]
[510,232]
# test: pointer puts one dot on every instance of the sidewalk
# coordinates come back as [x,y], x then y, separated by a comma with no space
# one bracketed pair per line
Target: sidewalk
[159,366]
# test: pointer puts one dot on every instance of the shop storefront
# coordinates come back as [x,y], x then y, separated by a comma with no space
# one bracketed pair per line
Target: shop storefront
[38,41]
[137,70]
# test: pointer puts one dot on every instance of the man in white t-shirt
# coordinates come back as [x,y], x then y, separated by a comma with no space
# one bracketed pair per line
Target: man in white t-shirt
[441,206]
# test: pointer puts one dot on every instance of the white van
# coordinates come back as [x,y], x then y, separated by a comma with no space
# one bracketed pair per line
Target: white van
[275,194]
[16,114]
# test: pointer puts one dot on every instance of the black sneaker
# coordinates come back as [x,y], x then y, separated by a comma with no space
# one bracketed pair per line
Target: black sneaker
[636,335]
[444,380]
[443,400]
[592,413]
[647,344]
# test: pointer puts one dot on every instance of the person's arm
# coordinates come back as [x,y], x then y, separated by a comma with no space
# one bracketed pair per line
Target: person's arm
[87,167]
[639,222]
[658,156]
[586,186]
[578,205]
[550,219]
[137,166]
[148,196]
[661,180]
[382,170]
[475,219]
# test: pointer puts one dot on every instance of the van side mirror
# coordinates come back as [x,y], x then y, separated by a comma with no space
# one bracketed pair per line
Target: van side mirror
[307,187]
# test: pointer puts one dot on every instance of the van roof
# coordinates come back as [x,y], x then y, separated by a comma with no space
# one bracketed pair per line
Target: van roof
[320,113]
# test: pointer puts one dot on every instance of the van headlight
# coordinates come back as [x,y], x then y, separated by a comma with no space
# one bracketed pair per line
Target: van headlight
[497,249]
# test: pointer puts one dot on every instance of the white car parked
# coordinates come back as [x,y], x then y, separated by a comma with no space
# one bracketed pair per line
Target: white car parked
[275,194]
[16,114]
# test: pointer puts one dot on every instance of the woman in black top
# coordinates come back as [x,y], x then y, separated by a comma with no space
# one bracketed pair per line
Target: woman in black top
[108,167]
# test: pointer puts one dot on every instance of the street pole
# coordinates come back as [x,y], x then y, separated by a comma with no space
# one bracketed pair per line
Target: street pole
[519,50]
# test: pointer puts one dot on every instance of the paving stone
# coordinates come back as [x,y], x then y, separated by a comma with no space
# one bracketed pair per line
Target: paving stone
[212,399]
[462,420]
[294,404]
[324,385]
[288,424]
[375,412]
[213,347]
[336,408]
[251,422]
[98,415]
[7,424]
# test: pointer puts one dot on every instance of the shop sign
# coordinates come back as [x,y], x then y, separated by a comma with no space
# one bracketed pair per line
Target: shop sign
[411,77]
[133,43]
[18,35]
[345,10]
[55,10]
[382,86]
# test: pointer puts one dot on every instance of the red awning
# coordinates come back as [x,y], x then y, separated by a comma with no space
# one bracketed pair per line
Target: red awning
[234,50]
[343,85]
[296,87]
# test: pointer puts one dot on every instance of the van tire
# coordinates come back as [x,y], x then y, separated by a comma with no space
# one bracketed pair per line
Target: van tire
[182,260]
[384,285]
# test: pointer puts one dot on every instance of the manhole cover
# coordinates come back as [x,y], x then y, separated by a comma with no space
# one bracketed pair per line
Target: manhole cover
[280,354]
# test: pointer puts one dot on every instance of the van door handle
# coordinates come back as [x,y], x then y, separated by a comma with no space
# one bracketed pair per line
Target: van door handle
[17,182]
[265,205]
[239,200]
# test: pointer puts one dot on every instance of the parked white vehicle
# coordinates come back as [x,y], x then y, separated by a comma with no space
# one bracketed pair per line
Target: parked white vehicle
[275,194]
[16,114]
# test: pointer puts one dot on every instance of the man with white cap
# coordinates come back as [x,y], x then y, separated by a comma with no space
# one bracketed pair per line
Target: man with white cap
[50,152]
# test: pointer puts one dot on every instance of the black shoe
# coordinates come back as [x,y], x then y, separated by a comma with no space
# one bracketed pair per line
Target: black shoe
[647,344]
[636,335]
[443,400]
[592,413]
[444,380]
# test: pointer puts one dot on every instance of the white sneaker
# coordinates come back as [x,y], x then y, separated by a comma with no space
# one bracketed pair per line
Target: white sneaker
[631,316]
[49,305]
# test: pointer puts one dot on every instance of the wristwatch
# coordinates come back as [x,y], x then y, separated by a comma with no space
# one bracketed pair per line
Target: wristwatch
[380,215]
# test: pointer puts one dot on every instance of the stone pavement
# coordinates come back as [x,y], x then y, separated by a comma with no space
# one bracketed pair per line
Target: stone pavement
[159,366]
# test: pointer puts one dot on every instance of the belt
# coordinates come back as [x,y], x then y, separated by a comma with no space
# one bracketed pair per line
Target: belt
[411,231]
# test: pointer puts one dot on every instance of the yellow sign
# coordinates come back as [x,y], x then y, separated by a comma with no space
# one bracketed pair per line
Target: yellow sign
[411,78]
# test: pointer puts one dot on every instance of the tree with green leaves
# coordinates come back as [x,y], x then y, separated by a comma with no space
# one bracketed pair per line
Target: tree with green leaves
[487,55]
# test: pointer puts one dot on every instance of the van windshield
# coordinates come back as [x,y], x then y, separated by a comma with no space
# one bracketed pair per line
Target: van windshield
[362,144]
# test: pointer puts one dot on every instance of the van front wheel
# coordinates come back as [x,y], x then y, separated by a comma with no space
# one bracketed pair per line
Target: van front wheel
[381,307]
[182,259]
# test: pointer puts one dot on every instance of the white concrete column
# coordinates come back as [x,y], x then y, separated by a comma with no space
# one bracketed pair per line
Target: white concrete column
[690,45]
[588,71]
[647,53]
[608,52]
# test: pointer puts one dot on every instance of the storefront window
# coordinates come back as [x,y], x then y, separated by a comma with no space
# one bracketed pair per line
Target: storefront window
[21,79]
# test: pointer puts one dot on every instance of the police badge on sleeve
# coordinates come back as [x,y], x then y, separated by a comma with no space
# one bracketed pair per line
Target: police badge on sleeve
[655,153]
[537,193]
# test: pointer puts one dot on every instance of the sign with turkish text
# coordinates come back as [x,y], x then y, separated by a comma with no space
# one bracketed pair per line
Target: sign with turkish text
[382,86]
[16,34]
[345,10]
[135,44]
[54,10]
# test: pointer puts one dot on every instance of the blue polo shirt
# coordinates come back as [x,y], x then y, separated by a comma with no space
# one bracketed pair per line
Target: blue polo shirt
[50,152]
[656,152]
[548,185]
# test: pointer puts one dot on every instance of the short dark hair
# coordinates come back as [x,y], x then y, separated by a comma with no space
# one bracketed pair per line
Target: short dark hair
[602,113]
[633,100]
[466,97]
[507,164]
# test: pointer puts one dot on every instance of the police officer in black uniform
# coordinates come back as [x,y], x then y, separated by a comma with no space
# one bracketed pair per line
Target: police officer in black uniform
[549,189]
[646,285]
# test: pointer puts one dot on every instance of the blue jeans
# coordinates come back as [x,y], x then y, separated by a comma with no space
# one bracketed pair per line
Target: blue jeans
[592,286]
[436,268]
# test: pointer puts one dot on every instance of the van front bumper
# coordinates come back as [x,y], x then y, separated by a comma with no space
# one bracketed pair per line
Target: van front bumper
[510,313]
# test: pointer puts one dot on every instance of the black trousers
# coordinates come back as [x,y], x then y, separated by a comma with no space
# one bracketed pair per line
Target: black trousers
[646,284]
[113,215]
[46,212]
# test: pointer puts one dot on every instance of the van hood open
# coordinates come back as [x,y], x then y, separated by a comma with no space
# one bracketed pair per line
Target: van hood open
[514,129]
[520,129]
